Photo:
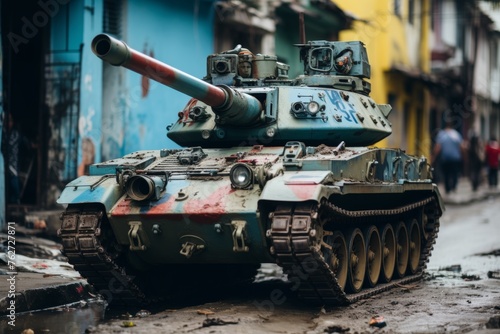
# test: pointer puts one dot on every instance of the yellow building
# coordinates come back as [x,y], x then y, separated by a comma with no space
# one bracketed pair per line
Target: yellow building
[396,35]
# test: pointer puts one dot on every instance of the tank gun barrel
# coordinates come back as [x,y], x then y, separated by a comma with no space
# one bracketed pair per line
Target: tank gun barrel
[232,107]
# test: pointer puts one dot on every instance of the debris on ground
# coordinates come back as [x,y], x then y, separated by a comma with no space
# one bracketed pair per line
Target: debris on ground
[33,247]
[205,312]
[126,316]
[40,265]
[377,321]
[407,287]
[493,274]
[456,268]
[263,317]
[128,323]
[336,329]
[467,277]
[47,266]
[217,322]
[495,252]
[494,322]
[142,313]
[28,331]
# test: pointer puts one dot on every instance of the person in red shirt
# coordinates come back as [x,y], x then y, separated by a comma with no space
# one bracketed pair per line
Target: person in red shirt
[492,152]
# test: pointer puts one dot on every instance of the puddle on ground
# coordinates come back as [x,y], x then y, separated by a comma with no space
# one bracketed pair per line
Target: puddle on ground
[470,268]
[75,318]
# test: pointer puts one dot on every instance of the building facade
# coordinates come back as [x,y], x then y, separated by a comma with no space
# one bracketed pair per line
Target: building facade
[79,110]
[396,35]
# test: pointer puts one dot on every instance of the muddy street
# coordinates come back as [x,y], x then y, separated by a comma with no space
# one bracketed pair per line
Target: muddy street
[460,293]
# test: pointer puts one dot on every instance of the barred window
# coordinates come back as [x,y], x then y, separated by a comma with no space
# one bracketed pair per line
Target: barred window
[111,21]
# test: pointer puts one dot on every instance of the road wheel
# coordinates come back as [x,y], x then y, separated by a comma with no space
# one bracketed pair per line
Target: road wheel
[402,249]
[357,261]
[335,253]
[388,253]
[373,255]
[415,243]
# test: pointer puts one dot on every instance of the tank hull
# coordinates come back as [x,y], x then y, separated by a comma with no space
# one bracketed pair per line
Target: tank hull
[201,218]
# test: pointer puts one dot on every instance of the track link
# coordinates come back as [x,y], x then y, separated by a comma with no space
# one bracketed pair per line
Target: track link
[296,233]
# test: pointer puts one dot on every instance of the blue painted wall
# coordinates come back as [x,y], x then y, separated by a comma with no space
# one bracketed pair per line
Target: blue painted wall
[91,85]
[176,32]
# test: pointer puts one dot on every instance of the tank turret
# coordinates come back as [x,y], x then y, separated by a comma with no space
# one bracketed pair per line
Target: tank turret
[327,105]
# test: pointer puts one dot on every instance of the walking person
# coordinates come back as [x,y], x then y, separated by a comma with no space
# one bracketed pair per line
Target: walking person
[492,153]
[449,150]
[475,159]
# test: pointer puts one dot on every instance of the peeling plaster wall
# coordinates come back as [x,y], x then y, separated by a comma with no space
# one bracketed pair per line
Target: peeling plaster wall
[117,111]
[90,128]
[63,69]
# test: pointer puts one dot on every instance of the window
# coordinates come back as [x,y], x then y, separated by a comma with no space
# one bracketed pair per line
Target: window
[411,11]
[112,17]
[494,52]
[397,8]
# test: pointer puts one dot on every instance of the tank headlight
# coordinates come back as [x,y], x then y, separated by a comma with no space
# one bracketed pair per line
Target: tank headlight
[270,132]
[205,134]
[313,107]
[241,176]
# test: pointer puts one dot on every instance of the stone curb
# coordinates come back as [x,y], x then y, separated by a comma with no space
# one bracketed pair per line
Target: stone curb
[46,297]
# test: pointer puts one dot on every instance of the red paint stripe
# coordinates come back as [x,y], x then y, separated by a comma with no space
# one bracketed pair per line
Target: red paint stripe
[150,67]
[215,96]
[170,76]
[303,192]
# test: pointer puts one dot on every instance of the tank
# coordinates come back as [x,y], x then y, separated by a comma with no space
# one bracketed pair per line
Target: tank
[272,169]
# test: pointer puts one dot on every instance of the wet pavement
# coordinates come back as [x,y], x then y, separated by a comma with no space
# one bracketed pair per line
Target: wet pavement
[40,291]
[464,193]
[71,318]
[35,291]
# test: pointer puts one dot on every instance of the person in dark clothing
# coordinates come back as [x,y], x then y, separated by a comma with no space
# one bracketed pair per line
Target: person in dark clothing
[492,153]
[476,158]
[449,148]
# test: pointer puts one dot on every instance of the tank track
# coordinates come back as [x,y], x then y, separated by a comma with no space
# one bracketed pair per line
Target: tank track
[294,233]
[89,248]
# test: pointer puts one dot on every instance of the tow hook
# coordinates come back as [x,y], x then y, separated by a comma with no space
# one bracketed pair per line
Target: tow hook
[136,236]
[239,236]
